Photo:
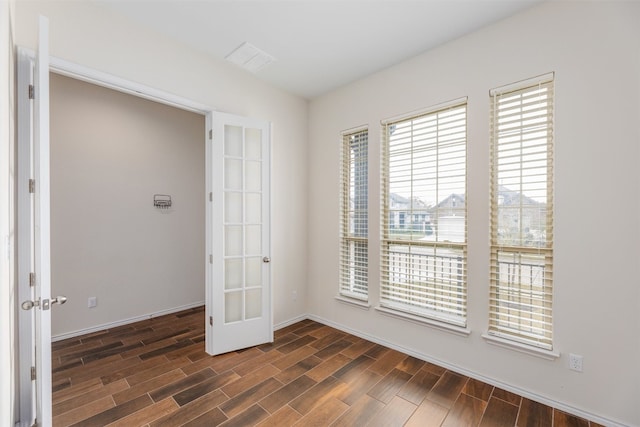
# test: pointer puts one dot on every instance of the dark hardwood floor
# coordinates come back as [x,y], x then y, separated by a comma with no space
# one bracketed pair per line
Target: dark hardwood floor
[156,373]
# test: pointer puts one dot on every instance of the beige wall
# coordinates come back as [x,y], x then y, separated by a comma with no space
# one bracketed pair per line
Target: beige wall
[110,153]
[594,48]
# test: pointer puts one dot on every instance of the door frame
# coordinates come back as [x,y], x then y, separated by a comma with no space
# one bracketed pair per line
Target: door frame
[24,130]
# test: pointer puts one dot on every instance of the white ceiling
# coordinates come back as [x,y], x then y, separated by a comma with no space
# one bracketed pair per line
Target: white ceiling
[319,45]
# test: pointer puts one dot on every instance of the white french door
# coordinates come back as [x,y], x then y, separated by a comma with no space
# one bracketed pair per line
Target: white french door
[240,312]
[42,217]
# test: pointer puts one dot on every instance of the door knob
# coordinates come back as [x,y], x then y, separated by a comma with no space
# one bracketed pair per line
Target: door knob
[60,299]
[266,259]
[28,304]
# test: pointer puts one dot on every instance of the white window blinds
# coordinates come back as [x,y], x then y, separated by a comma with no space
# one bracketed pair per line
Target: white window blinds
[354,215]
[424,228]
[521,274]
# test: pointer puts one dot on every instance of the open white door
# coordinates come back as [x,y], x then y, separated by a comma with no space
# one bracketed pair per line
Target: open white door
[42,229]
[25,237]
[240,312]
[35,236]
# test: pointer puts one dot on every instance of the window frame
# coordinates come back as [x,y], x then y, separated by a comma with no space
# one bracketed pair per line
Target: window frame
[353,280]
[509,301]
[419,309]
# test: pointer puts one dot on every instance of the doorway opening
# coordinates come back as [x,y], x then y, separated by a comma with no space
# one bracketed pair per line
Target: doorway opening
[115,255]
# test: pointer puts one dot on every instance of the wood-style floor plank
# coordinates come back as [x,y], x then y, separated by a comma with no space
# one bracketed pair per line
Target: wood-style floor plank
[478,389]
[287,393]
[328,367]
[247,398]
[418,386]
[360,413]
[83,412]
[300,368]
[447,389]
[113,414]
[317,394]
[396,413]
[562,419]
[147,414]
[249,380]
[285,416]
[428,414]
[534,414]
[359,386]
[250,417]
[191,411]
[323,414]
[499,413]
[156,383]
[389,386]
[60,407]
[466,411]
[213,417]
[156,373]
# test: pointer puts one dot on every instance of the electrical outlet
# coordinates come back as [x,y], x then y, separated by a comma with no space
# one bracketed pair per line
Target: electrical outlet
[575,362]
[294,295]
[92,302]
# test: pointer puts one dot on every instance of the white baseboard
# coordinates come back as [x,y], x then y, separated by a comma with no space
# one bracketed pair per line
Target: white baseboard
[522,392]
[290,322]
[110,325]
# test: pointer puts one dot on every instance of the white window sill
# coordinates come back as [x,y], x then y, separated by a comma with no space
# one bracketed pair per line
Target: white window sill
[446,327]
[354,302]
[522,348]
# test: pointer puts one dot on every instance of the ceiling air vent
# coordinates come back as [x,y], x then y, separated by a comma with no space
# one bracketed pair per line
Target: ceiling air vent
[250,57]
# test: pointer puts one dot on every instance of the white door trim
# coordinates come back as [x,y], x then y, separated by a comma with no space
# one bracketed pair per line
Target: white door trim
[100,78]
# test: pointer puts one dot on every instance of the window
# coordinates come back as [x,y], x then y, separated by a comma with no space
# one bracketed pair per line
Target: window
[424,228]
[354,226]
[521,275]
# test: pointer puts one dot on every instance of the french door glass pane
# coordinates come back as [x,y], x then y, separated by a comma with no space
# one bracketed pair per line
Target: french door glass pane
[233,141]
[253,271]
[233,306]
[253,240]
[243,223]
[233,207]
[253,214]
[253,143]
[253,175]
[233,174]
[233,273]
[254,303]
[233,240]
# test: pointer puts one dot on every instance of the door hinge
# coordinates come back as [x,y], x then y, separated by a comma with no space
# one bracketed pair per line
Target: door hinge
[211,196]
[210,133]
[32,186]
[211,320]
[210,259]
[32,92]
[32,279]
[33,373]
